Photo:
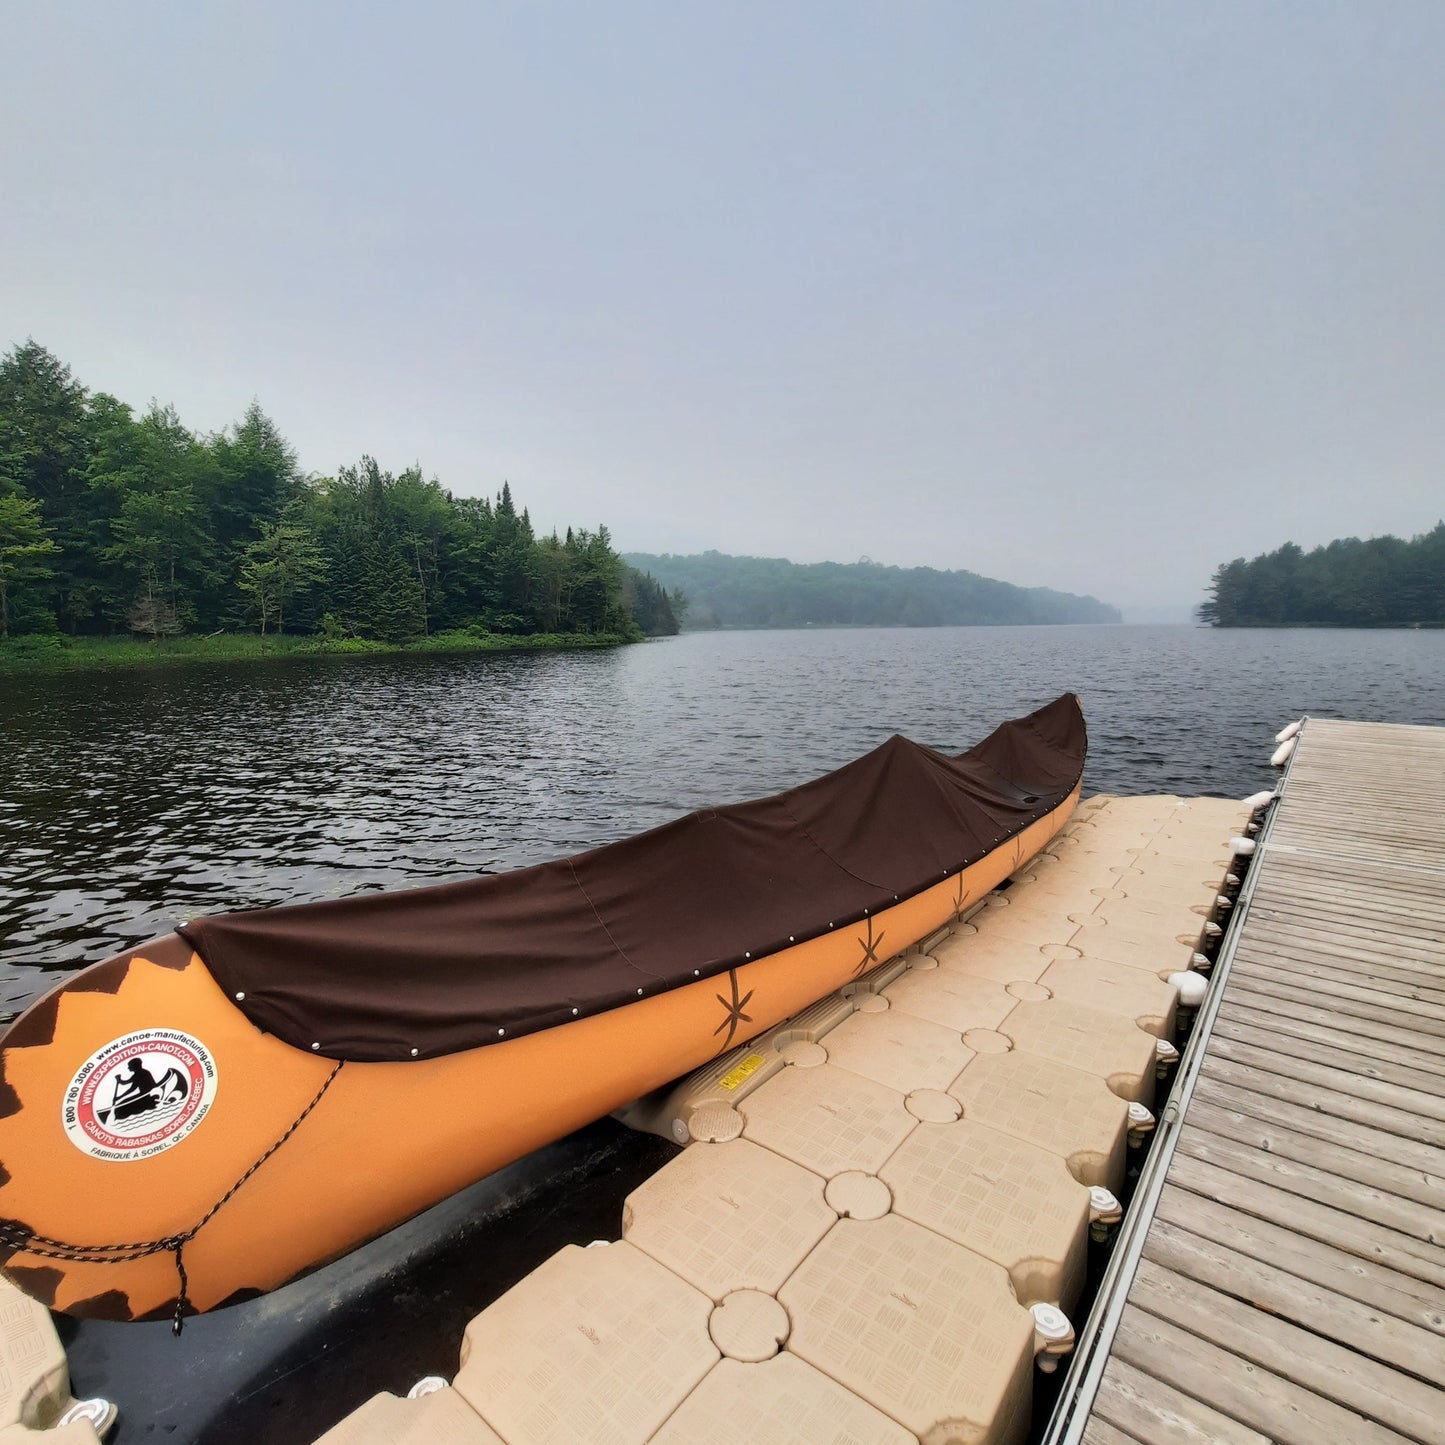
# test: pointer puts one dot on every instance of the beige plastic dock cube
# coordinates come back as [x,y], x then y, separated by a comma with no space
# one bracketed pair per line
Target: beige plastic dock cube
[1161,954]
[1056,895]
[1114,1048]
[1072,1114]
[1153,918]
[596,1344]
[899,1050]
[1177,864]
[783,1401]
[924,1330]
[956,1000]
[1187,847]
[1003,1198]
[827,1119]
[441,1418]
[998,956]
[34,1379]
[729,1216]
[1145,807]
[1115,988]
[1094,839]
[1028,925]
[1152,880]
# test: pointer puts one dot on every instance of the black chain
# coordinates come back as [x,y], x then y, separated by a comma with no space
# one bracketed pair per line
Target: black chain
[46,1248]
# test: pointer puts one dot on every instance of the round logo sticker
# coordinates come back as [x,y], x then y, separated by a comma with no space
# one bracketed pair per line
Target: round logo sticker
[139,1095]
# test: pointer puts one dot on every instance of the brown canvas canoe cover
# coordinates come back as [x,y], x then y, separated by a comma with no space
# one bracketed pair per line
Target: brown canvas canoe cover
[437,970]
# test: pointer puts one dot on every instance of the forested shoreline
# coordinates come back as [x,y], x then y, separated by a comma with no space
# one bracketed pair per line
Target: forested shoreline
[1379,582]
[117,523]
[727,591]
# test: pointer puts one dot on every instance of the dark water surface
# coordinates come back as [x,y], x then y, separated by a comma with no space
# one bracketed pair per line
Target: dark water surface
[131,802]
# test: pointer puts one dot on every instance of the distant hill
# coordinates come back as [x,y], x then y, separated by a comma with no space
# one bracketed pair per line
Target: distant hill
[725,591]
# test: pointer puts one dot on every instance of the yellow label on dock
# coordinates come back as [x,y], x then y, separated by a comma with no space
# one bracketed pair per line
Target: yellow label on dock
[741,1071]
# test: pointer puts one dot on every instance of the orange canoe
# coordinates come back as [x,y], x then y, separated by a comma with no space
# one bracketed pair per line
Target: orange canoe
[200,1119]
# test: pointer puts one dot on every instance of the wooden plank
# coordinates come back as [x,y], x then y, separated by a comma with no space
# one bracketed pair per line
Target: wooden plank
[1317,801]
[1419,1224]
[1332,836]
[1327,1103]
[1320,833]
[1338,1055]
[1361,773]
[1369,782]
[1246,1004]
[1422,1178]
[1363,1238]
[1376,849]
[1375,803]
[1338,825]
[1416,1113]
[1363,784]
[1348,869]
[1346,829]
[1390,773]
[1100,1432]
[1236,1387]
[1325,1369]
[1400,914]
[1308,837]
[1427,1192]
[1382,877]
[1388,903]
[1313,964]
[1155,1412]
[1303,1302]
[1391,974]
[1335,948]
[1389,969]
[1315,809]
[1400,1021]
[1398,877]
[1312,883]
[1334,992]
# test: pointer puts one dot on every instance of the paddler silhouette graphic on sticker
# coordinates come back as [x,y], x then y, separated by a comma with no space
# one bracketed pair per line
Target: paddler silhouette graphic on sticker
[137,1091]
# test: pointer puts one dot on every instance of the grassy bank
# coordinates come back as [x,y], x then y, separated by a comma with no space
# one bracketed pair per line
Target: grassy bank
[56,653]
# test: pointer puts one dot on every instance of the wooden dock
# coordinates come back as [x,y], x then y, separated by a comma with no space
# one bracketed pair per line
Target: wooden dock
[1283,1274]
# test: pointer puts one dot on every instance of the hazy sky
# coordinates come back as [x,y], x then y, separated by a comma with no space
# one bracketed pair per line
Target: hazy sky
[1093,296]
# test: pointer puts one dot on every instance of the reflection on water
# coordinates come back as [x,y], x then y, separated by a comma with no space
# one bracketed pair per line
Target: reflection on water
[130,802]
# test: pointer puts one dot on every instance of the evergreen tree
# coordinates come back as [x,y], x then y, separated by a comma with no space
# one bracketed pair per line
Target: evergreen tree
[158,540]
[650,605]
[116,520]
[25,544]
[1381,582]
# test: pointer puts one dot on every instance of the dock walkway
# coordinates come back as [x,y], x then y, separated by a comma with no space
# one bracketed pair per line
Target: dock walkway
[1283,1274]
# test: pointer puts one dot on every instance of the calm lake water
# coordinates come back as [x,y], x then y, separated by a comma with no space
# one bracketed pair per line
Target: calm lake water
[131,802]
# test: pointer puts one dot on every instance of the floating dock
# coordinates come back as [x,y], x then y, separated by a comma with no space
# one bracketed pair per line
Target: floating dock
[881,1223]
[1282,1277]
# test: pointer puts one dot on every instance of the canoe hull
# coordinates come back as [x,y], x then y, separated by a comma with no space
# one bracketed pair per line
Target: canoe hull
[296,1159]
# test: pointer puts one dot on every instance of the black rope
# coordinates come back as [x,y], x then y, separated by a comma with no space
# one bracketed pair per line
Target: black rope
[46,1248]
